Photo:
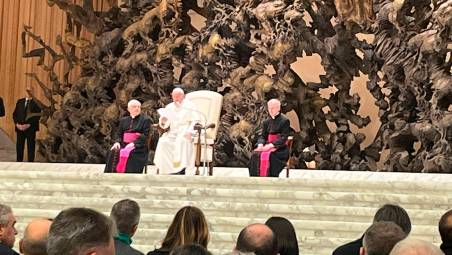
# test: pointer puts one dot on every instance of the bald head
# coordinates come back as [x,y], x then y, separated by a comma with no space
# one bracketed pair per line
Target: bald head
[411,246]
[257,238]
[35,237]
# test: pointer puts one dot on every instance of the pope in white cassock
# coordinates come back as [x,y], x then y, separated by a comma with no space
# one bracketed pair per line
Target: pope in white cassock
[174,151]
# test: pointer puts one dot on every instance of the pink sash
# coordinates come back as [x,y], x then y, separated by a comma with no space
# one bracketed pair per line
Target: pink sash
[125,152]
[265,156]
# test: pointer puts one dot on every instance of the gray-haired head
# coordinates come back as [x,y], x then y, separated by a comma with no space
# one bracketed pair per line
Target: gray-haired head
[178,91]
[381,237]
[126,215]
[274,101]
[8,230]
[133,102]
[411,246]
[274,107]
[78,231]
[5,210]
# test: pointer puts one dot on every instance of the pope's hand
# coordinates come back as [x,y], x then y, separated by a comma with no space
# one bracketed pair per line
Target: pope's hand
[163,120]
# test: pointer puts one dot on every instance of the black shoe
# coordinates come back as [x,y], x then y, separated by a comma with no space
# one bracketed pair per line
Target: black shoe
[181,172]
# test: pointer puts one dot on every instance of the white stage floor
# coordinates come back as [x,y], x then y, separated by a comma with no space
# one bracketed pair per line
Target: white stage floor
[243,172]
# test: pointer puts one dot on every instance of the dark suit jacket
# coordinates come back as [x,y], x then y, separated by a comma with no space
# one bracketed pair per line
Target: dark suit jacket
[351,248]
[446,248]
[124,249]
[6,250]
[2,108]
[30,117]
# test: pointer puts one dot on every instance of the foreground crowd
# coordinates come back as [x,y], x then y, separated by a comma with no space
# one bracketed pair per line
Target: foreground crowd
[84,231]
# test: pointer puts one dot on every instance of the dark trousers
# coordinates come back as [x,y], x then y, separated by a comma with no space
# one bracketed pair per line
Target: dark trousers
[30,136]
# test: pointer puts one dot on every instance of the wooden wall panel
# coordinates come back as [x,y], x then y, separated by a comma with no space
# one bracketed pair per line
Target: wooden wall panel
[47,22]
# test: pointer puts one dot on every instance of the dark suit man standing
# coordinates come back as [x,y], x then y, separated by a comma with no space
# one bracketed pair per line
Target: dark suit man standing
[26,116]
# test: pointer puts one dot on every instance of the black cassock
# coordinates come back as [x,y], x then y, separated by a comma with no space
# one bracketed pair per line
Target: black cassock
[280,126]
[138,157]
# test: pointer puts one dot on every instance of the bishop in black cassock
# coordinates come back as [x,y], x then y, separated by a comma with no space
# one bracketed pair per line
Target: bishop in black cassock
[273,140]
[135,127]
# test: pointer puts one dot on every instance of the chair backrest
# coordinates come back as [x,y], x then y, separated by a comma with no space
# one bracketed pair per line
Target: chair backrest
[209,103]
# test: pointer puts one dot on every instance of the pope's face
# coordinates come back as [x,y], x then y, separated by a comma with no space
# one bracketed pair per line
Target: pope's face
[177,97]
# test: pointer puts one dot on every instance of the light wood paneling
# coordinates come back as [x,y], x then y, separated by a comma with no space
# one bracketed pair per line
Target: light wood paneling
[47,22]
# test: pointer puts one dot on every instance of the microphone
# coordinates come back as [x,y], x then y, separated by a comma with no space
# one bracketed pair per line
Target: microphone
[198,126]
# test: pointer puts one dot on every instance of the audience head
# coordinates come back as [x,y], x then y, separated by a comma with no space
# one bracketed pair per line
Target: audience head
[8,230]
[35,237]
[126,215]
[445,227]
[177,95]
[190,249]
[285,235]
[257,238]
[274,107]
[189,226]
[410,246]
[81,231]
[396,214]
[134,107]
[380,237]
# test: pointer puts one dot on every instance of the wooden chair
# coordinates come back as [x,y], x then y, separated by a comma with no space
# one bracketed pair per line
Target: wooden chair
[289,162]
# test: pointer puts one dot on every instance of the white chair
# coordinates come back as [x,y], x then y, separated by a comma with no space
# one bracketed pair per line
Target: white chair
[208,104]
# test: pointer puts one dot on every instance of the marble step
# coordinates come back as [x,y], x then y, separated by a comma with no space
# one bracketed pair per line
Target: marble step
[258,210]
[327,208]
[244,200]
[308,180]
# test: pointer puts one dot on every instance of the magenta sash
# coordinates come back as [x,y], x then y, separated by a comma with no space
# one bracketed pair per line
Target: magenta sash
[265,156]
[124,153]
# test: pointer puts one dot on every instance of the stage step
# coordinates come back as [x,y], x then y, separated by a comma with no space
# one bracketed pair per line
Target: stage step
[327,208]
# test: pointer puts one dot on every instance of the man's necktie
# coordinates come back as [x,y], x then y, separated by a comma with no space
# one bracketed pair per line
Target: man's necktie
[27,103]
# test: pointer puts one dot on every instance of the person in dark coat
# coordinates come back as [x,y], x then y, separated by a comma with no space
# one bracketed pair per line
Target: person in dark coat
[126,215]
[272,152]
[387,212]
[130,142]
[26,117]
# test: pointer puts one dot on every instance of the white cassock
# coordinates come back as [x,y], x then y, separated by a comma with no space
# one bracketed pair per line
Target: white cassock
[174,151]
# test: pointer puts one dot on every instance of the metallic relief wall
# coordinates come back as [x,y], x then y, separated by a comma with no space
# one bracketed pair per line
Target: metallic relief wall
[145,47]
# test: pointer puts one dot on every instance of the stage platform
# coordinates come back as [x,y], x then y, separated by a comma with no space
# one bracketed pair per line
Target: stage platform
[328,208]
